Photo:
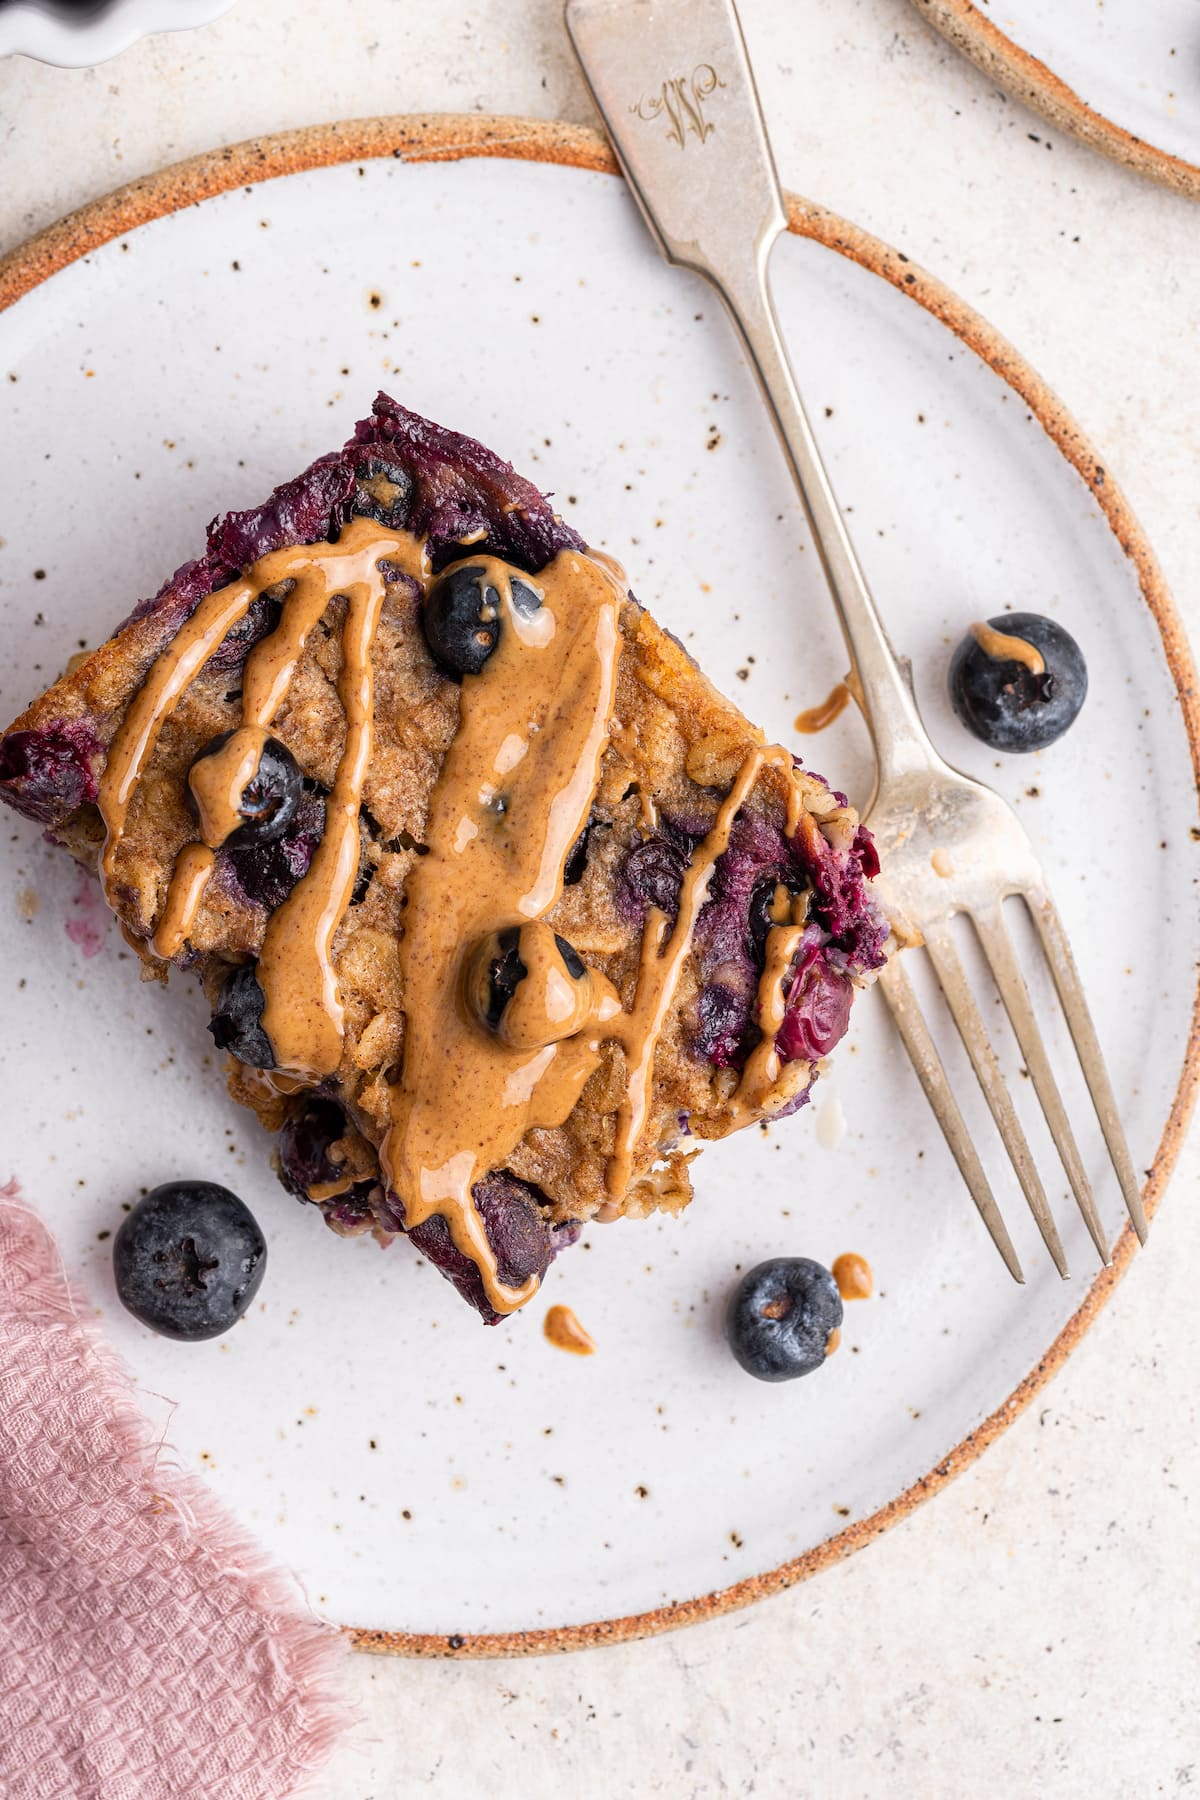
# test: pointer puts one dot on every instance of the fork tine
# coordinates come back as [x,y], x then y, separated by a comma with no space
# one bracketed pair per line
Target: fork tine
[1087,1047]
[914,1034]
[965,1013]
[997,947]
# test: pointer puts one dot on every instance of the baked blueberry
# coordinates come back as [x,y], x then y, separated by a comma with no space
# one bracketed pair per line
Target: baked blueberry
[529,986]
[268,802]
[257,622]
[462,616]
[267,873]
[305,1142]
[189,1259]
[236,1024]
[516,1228]
[383,491]
[1018,681]
[781,1317]
[47,773]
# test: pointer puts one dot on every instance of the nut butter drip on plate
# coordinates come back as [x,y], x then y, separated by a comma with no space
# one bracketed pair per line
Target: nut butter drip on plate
[854,1276]
[561,1328]
[818,718]
[1002,647]
[512,796]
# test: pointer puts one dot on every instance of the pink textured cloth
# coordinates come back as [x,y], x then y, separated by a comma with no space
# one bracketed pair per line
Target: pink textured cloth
[147,1652]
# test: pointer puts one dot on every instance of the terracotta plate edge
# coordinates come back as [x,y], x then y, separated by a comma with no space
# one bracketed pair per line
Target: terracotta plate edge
[1021,74]
[451,137]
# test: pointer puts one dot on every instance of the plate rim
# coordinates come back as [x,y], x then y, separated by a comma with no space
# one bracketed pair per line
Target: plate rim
[1031,81]
[449,137]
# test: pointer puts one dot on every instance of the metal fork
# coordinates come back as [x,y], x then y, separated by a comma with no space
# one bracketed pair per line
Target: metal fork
[673,83]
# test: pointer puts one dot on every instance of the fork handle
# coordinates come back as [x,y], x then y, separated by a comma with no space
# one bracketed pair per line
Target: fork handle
[884,681]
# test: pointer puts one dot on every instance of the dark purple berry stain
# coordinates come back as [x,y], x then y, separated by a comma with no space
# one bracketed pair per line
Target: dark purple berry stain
[652,873]
[257,622]
[846,933]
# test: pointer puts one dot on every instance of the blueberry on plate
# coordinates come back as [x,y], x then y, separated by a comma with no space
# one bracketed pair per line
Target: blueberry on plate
[462,616]
[189,1259]
[236,1024]
[1018,681]
[781,1317]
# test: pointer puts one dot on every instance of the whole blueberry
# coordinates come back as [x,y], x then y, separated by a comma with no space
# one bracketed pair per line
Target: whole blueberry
[189,1259]
[1006,700]
[269,800]
[236,1024]
[781,1317]
[462,616]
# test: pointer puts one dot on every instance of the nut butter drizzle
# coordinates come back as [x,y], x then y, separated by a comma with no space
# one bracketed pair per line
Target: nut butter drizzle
[316,573]
[658,978]
[758,1091]
[1001,646]
[511,798]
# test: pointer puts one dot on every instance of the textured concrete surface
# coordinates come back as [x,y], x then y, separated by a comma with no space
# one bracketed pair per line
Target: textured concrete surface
[1034,1630]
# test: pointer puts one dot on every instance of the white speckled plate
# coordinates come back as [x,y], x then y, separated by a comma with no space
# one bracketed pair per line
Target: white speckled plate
[1124,77]
[439,1485]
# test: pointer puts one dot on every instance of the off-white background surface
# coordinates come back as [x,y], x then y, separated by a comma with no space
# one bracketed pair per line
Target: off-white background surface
[1034,1630]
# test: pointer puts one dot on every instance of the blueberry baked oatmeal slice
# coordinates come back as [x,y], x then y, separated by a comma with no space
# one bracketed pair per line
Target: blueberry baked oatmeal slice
[499,907]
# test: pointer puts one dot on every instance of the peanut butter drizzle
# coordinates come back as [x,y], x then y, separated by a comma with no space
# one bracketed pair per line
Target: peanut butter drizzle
[189,879]
[218,781]
[318,572]
[759,1082]
[1002,647]
[816,718]
[562,1329]
[511,798]
[302,1015]
[153,704]
[658,977]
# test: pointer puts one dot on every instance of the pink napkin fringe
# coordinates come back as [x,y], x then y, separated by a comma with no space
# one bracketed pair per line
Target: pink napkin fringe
[148,1649]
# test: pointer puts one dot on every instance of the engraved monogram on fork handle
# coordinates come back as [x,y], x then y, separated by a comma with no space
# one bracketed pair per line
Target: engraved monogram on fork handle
[719,214]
